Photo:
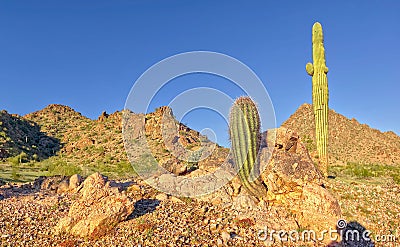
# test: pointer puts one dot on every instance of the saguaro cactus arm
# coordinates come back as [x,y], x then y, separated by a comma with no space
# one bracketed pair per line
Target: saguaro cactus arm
[310,69]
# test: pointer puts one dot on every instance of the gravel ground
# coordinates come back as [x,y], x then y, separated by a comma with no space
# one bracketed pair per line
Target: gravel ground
[28,217]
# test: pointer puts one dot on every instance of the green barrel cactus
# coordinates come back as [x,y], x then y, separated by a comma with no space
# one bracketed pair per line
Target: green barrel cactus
[320,94]
[244,130]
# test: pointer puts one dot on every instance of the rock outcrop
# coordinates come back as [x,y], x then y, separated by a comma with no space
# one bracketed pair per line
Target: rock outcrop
[294,182]
[54,183]
[103,116]
[174,146]
[58,184]
[98,209]
[295,188]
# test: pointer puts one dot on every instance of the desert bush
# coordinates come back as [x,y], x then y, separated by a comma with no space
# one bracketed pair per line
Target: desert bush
[13,160]
[367,171]
[35,157]
[18,159]
[55,166]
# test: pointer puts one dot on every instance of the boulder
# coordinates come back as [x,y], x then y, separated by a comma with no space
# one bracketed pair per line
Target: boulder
[59,184]
[49,183]
[294,182]
[287,173]
[98,209]
[63,186]
[74,181]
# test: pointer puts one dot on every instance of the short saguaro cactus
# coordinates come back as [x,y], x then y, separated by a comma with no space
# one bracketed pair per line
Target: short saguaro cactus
[244,130]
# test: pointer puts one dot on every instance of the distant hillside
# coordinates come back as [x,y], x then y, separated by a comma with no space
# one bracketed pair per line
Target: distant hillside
[60,131]
[81,141]
[56,119]
[24,138]
[349,141]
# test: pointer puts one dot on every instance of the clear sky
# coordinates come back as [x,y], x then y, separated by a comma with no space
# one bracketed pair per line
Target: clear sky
[88,54]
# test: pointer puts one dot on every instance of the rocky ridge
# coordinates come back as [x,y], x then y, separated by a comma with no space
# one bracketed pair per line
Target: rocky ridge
[94,145]
[22,136]
[349,141]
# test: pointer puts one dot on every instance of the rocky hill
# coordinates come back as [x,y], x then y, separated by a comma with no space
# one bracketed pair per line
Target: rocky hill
[349,140]
[56,120]
[62,132]
[24,139]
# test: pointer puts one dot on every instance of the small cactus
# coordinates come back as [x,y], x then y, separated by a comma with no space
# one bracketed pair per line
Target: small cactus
[244,130]
[320,95]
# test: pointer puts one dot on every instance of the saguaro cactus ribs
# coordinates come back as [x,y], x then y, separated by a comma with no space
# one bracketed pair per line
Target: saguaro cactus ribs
[244,130]
[320,94]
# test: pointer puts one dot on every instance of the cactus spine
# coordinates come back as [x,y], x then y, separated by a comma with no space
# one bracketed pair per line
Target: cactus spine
[320,95]
[244,130]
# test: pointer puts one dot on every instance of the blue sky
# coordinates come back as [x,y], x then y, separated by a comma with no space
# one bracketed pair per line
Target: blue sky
[88,54]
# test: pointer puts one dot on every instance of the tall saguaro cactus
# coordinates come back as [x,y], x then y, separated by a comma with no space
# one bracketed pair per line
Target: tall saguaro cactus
[244,130]
[320,94]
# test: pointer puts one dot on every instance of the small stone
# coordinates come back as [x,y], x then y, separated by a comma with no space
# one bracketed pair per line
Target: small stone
[162,197]
[5,235]
[225,236]
[219,242]
[262,204]
[236,184]
[203,209]
[175,199]
[268,242]
[213,228]
[133,188]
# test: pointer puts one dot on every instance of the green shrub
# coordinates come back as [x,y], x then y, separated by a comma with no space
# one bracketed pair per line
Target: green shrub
[16,160]
[367,171]
[35,157]
[59,167]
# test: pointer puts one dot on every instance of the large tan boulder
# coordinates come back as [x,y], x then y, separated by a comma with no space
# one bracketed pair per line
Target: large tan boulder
[98,209]
[294,182]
